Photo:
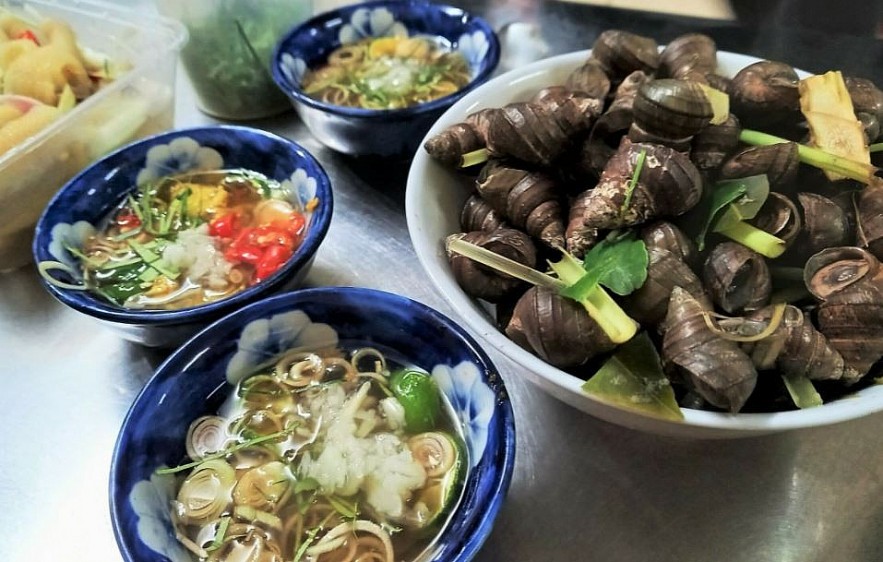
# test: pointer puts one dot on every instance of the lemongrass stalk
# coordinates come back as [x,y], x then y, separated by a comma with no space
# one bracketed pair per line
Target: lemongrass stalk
[610,317]
[859,171]
[754,238]
[475,157]
[503,264]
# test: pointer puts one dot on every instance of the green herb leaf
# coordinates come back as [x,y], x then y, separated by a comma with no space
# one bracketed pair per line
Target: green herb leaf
[732,201]
[346,509]
[220,534]
[619,262]
[306,485]
[232,449]
[633,378]
[639,166]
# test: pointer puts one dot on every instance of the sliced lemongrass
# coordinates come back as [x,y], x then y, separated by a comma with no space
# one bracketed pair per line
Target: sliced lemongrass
[475,157]
[754,238]
[771,327]
[802,391]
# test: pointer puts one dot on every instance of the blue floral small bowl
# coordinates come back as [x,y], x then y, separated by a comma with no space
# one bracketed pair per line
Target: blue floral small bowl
[79,207]
[198,377]
[378,132]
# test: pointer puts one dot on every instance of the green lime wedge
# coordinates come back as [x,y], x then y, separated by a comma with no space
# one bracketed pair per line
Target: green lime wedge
[419,396]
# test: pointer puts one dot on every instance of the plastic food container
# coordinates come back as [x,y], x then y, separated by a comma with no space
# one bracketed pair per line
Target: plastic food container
[137,104]
[228,55]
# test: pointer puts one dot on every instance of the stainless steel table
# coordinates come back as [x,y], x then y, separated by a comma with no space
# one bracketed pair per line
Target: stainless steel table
[582,489]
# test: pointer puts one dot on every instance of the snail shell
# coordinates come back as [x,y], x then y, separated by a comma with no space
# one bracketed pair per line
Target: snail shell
[848,282]
[671,109]
[737,278]
[555,328]
[666,270]
[621,52]
[688,54]
[667,236]
[825,224]
[779,216]
[477,214]
[668,185]
[483,282]
[779,162]
[589,79]
[715,143]
[765,93]
[528,200]
[870,220]
[716,368]
[797,348]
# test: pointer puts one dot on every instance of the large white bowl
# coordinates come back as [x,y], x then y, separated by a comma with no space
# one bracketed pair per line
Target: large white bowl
[433,201]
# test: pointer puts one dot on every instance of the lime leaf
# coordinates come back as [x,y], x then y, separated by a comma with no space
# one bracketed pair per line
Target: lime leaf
[732,201]
[419,396]
[633,379]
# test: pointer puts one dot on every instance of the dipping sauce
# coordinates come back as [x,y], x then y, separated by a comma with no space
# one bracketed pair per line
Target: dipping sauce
[388,73]
[323,455]
[190,239]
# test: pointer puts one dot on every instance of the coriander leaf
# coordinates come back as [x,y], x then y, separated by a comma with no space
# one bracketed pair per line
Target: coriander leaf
[619,262]
[633,378]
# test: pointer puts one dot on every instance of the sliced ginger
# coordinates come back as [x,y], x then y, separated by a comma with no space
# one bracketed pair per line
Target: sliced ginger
[825,102]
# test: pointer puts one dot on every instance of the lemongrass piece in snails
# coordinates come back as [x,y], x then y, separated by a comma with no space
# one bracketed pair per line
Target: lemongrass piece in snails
[206,493]
[206,435]
[859,171]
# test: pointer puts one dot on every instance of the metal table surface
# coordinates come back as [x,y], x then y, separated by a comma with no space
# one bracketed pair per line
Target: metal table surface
[582,489]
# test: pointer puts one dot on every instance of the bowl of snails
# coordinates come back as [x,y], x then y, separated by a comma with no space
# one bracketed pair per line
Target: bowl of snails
[645,232]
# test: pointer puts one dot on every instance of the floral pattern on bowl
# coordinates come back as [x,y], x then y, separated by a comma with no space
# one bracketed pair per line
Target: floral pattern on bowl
[472,400]
[263,340]
[293,68]
[367,22]
[150,500]
[181,155]
[64,236]
[474,48]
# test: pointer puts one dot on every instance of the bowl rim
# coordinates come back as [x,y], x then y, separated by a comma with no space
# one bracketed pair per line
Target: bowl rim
[558,383]
[92,306]
[297,95]
[474,536]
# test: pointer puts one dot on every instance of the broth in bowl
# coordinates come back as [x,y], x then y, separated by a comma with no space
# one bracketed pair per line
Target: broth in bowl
[190,239]
[388,73]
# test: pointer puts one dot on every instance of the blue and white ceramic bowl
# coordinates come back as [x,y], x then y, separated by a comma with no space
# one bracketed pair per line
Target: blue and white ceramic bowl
[81,204]
[378,132]
[197,378]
